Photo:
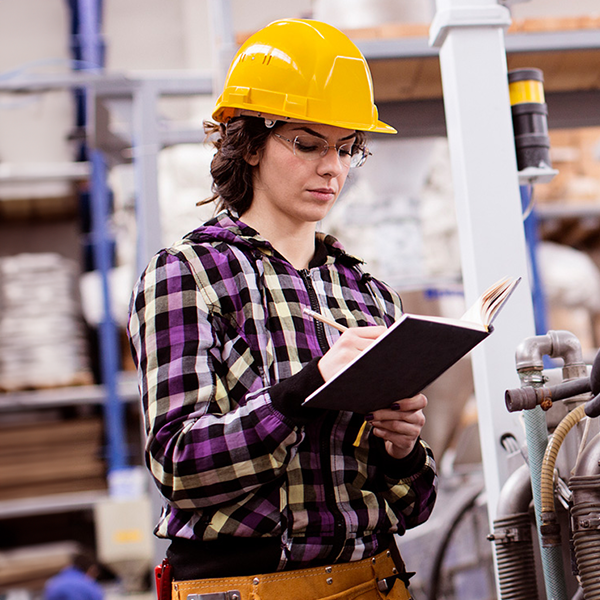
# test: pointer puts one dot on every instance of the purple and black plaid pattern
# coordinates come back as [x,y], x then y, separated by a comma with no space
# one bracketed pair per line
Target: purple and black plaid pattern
[216,321]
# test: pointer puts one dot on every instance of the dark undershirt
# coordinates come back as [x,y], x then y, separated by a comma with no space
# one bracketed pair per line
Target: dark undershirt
[230,557]
[234,557]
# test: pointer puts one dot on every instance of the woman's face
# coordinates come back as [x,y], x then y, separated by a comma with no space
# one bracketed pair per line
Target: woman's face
[289,188]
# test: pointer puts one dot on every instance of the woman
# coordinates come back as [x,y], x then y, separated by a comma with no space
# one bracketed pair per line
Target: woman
[254,482]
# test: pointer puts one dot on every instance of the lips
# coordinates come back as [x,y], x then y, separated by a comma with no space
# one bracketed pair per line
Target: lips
[323,193]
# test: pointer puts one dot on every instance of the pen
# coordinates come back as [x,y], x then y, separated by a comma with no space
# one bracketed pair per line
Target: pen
[319,317]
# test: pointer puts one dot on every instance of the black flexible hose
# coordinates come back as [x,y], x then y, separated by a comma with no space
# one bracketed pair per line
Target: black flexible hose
[436,570]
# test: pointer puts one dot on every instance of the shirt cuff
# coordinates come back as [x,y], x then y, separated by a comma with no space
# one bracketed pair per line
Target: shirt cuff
[288,395]
[401,468]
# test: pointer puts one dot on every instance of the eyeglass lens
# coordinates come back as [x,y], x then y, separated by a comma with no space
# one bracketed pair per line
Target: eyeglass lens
[311,148]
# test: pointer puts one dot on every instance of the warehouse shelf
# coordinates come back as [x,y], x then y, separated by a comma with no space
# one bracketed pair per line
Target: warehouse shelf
[378,48]
[570,223]
[408,91]
[407,78]
[28,172]
[54,503]
[568,210]
[68,396]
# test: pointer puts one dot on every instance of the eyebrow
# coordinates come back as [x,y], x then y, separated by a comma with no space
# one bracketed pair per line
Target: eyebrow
[319,135]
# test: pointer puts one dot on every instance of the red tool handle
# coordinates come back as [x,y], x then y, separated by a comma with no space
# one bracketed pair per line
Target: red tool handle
[163,578]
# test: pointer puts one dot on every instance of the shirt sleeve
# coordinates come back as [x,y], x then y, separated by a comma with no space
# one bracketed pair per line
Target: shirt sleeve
[200,449]
[408,484]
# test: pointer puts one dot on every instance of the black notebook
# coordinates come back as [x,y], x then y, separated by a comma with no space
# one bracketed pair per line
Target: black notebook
[410,355]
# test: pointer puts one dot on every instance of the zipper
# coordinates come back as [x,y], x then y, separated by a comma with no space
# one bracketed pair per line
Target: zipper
[339,529]
[314,305]
[339,525]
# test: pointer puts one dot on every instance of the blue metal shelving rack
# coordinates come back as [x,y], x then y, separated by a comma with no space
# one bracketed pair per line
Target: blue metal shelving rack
[88,51]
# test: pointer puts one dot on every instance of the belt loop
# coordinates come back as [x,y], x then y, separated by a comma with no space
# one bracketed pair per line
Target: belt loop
[396,557]
[254,595]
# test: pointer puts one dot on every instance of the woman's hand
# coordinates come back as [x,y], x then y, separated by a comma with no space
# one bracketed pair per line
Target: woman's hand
[399,425]
[353,341]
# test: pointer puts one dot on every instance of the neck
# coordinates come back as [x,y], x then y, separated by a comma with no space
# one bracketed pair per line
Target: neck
[295,242]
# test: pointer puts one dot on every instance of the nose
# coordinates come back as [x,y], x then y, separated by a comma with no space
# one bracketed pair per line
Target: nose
[331,163]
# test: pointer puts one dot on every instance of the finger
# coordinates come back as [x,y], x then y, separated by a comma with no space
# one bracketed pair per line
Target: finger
[405,406]
[371,332]
[361,337]
[398,444]
[346,348]
[401,425]
[417,402]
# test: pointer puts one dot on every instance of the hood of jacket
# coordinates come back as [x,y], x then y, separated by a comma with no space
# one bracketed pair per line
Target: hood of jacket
[225,227]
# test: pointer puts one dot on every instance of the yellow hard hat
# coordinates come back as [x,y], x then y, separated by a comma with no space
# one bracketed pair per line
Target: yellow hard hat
[301,70]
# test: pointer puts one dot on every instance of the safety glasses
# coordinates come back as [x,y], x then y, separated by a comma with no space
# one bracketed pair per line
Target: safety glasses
[309,147]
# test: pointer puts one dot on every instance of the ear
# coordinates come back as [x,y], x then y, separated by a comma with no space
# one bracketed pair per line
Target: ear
[253,159]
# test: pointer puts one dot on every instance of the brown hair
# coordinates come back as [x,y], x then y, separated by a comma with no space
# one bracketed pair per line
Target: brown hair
[235,142]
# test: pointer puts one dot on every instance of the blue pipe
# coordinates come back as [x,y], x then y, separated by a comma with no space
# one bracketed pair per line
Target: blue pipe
[530,225]
[110,358]
[88,42]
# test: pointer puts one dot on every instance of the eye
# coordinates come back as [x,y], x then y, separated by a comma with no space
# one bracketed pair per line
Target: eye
[347,150]
[307,145]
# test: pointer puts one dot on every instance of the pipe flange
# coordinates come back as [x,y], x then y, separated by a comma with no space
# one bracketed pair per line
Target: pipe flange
[510,535]
[588,522]
[549,530]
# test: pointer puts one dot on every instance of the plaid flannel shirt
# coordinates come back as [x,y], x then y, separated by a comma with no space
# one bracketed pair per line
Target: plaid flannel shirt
[225,357]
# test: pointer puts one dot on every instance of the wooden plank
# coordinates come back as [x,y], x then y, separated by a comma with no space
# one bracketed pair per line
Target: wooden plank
[549,24]
[406,79]
[32,490]
[10,383]
[44,434]
[56,453]
[49,471]
[404,30]
[563,71]
[17,209]
[29,567]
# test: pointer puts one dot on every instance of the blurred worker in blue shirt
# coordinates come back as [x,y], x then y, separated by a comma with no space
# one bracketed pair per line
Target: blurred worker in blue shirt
[76,582]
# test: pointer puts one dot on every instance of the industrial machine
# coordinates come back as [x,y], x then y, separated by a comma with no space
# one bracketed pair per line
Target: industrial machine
[561,476]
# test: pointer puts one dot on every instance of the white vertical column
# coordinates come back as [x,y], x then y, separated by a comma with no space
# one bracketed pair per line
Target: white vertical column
[146,146]
[470,35]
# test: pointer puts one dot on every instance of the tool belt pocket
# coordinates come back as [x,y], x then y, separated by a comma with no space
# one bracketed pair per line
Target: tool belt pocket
[376,578]
[364,591]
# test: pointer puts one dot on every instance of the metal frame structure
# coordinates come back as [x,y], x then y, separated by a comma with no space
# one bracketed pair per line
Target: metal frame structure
[425,117]
[470,37]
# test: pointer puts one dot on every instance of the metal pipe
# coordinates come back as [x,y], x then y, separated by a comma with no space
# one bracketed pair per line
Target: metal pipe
[585,517]
[525,398]
[589,461]
[531,351]
[556,344]
[530,365]
[513,540]
[516,495]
